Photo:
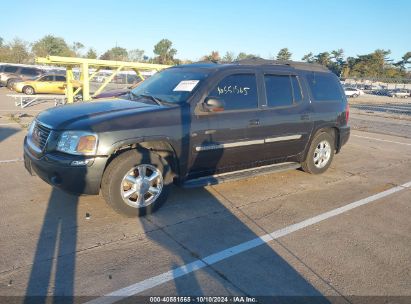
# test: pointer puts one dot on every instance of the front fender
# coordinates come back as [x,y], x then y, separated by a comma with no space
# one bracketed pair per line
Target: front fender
[136,140]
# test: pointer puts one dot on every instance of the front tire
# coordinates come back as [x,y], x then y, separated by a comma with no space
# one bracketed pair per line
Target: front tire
[320,154]
[28,90]
[136,182]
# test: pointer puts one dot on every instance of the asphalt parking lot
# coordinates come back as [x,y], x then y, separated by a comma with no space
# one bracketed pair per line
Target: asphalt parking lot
[338,237]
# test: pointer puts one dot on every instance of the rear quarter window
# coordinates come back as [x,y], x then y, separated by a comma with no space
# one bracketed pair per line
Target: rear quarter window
[324,86]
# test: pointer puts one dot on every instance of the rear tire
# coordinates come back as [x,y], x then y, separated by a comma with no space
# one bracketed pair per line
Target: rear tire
[28,90]
[124,175]
[320,154]
[8,83]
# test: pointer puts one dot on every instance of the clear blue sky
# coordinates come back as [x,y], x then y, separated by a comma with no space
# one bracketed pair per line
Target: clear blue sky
[197,27]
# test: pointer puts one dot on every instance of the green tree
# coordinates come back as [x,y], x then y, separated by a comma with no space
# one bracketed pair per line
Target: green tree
[228,57]
[308,57]
[213,56]
[19,51]
[116,53]
[406,60]
[370,65]
[323,58]
[91,54]
[243,56]
[337,61]
[136,55]
[77,47]
[284,54]
[51,45]
[164,51]
[4,51]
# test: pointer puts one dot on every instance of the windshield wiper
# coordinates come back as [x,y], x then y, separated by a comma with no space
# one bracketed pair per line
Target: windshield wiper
[152,98]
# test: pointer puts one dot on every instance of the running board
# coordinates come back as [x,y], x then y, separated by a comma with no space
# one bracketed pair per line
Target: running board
[241,174]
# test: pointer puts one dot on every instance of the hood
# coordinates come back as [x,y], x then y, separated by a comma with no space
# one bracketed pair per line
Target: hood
[112,93]
[85,114]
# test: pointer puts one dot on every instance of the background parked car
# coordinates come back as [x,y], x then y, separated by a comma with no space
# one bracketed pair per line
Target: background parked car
[13,73]
[353,92]
[50,83]
[381,92]
[399,93]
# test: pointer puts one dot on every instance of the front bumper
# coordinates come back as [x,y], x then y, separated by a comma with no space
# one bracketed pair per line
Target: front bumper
[56,170]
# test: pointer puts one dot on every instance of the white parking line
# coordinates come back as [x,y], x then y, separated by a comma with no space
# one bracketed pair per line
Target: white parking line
[11,161]
[232,251]
[378,139]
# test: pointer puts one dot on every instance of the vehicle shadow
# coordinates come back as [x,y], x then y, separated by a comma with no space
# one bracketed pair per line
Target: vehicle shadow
[6,132]
[53,270]
[199,225]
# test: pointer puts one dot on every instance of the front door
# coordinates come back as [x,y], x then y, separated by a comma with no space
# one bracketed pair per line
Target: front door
[220,140]
[44,84]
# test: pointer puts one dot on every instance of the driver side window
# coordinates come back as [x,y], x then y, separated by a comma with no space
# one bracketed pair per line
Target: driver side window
[47,78]
[238,91]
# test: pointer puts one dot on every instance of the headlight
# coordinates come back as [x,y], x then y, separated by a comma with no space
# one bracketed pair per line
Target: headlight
[77,142]
[30,128]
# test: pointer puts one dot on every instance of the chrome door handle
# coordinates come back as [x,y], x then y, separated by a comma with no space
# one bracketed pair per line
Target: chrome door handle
[254,122]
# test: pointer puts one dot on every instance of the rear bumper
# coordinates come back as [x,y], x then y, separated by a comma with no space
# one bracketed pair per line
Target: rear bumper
[343,137]
[57,171]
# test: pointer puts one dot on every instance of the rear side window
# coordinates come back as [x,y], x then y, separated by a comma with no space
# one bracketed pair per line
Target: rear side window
[30,72]
[324,86]
[298,96]
[10,69]
[282,90]
[239,91]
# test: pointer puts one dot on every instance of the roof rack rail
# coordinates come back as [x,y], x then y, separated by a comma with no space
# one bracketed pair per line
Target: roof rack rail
[295,64]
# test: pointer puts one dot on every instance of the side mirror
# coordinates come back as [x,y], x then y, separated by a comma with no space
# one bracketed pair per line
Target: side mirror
[213,105]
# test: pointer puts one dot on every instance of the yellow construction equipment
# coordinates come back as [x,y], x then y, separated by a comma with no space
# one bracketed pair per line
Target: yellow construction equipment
[85,64]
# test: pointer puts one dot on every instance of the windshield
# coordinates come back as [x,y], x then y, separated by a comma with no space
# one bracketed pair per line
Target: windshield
[172,85]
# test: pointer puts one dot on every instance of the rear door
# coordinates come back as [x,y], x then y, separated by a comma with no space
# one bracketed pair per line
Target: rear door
[284,122]
[220,140]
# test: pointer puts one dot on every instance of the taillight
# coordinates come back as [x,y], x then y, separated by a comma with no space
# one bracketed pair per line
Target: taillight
[347,113]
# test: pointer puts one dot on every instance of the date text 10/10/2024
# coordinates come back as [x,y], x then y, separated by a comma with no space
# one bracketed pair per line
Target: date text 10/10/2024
[203,299]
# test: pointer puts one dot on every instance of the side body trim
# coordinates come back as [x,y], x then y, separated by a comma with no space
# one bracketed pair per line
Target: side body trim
[247,143]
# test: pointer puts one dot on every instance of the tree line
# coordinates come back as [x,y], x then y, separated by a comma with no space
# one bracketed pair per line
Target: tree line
[375,64]
[20,51]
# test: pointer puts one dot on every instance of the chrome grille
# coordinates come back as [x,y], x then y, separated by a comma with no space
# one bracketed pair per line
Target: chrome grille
[40,135]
